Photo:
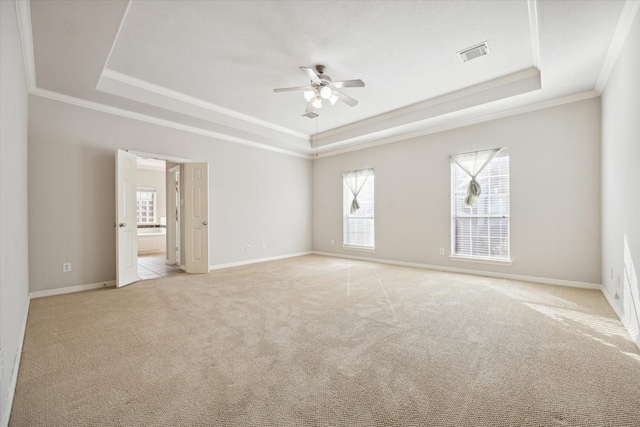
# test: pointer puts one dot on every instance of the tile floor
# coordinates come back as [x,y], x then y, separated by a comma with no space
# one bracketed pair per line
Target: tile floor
[152,266]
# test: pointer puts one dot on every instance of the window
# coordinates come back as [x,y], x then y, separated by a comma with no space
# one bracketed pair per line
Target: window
[146,205]
[481,231]
[358,208]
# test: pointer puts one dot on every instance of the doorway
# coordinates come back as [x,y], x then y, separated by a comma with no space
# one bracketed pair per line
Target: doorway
[174,217]
[153,193]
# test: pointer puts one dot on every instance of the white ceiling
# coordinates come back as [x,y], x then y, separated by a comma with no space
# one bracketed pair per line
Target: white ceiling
[211,66]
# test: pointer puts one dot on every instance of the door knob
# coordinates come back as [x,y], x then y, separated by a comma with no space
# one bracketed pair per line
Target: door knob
[122,224]
[204,223]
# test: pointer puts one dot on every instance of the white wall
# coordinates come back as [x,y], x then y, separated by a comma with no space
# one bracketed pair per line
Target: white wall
[14,264]
[158,180]
[621,182]
[555,194]
[255,196]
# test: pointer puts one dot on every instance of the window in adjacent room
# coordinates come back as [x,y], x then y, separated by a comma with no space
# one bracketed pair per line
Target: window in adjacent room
[146,205]
[480,205]
[358,209]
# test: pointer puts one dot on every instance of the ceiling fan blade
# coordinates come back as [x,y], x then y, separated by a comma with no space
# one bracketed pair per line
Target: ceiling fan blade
[287,89]
[348,83]
[310,106]
[345,98]
[309,72]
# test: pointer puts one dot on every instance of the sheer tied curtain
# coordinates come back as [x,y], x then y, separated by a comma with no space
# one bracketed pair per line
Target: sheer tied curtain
[355,180]
[473,164]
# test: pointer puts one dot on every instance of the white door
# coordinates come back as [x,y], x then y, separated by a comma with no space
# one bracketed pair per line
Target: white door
[196,217]
[126,219]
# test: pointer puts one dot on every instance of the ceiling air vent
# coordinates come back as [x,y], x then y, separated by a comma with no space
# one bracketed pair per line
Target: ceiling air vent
[310,115]
[474,52]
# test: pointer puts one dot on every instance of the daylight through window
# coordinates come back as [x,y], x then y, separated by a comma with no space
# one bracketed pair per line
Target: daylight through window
[481,231]
[358,209]
[146,205]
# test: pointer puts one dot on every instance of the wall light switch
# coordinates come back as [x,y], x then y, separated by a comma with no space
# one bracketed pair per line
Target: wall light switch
[66,267]
[441,251]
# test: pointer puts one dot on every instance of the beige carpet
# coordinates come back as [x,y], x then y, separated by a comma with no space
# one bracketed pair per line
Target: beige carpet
[316,341]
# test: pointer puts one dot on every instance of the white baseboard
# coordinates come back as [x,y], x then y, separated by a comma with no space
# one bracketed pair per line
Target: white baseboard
[620,313]
[559,282]
[4,422]
[612,302]
[72,289]
[257,260]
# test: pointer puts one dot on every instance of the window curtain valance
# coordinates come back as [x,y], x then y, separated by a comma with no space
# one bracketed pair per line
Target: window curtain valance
[473,163]
[355,180]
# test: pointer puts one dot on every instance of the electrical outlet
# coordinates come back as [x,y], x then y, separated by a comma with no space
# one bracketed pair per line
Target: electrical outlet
[332,243]
[66,267]
[247,248]
[264,246]
[441,251]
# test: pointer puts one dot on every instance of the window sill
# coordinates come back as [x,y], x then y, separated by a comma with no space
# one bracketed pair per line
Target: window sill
[359,248]
[505,262]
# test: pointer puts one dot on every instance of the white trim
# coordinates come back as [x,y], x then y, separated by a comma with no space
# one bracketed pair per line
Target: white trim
[618,311]
[611,300]
[23,13]
[160,157]
[358,248]
[257,260]
[442,101]
[13,381]
[494,261]
[157,121]
[544,280]
[196,102]
[466,122]
[72,289]
[627,16]
[115,39]
[534,31]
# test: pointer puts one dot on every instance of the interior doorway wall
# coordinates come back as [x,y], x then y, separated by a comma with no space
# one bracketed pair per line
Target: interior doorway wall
[153,194]
[174,216]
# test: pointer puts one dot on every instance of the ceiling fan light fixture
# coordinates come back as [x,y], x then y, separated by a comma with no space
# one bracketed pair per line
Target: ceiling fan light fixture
[309,94]
[333,99]
[317,103]
[325,92]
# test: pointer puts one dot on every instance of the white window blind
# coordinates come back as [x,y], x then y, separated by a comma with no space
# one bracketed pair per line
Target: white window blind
[146,205]
[358,225]
[482,231]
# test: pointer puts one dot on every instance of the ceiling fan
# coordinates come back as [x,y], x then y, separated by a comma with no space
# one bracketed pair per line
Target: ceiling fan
[322,87]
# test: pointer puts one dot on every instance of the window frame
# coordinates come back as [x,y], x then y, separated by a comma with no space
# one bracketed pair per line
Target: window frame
[154,200]
[346,201]
[455,215]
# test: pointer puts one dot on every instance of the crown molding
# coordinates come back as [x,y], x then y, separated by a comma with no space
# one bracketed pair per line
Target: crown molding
[23,12]
[534,32]
[120,84]
[463,123]
[115,39]
[406,119]
[55,96]
[627,16]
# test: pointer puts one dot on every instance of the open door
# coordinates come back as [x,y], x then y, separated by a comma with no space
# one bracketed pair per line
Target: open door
[126,219]
[196,217]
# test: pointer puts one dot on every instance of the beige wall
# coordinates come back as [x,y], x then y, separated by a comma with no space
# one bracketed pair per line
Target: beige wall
[555,194]
[255,196]
[14,252]
[621,183]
